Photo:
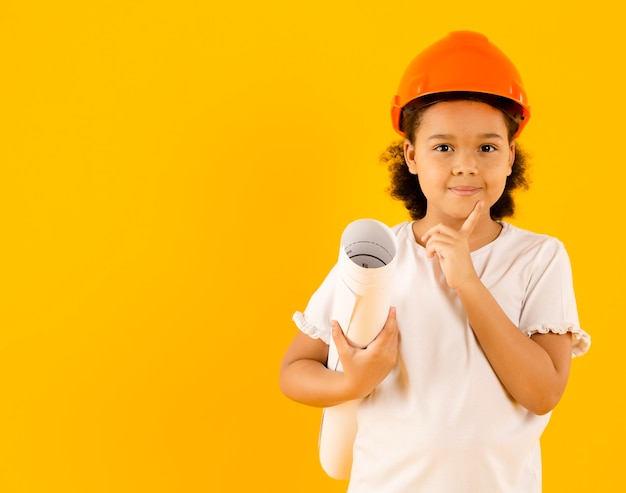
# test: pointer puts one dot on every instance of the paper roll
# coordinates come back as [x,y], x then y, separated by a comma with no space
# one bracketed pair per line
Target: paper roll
[367,263]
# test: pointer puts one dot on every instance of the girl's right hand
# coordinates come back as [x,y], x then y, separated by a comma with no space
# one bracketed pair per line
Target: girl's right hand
[364,369]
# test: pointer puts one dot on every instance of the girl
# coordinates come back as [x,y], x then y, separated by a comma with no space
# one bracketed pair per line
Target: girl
[475,353]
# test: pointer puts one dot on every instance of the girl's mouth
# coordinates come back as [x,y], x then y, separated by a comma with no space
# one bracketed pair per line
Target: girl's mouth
[464,191]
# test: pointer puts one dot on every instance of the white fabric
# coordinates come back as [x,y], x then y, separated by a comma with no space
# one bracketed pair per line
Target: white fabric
[441,421]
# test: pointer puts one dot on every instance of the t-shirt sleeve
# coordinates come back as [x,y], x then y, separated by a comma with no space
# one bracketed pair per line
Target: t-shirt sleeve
[315,320]
[550,304]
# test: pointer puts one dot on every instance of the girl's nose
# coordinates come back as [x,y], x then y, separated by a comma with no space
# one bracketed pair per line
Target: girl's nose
[465,164]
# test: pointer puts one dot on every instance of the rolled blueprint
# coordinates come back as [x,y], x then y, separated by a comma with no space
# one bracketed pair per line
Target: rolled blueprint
[367,263]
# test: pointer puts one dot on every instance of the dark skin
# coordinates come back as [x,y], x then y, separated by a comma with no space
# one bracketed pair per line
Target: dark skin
[305,378]
[463,155]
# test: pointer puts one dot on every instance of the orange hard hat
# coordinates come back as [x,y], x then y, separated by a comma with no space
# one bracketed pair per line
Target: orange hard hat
[463,65]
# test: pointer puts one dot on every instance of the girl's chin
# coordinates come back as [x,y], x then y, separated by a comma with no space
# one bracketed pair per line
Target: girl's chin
[454,214]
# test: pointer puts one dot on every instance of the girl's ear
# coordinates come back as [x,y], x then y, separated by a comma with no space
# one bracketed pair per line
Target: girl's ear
[511,157]
[409,156]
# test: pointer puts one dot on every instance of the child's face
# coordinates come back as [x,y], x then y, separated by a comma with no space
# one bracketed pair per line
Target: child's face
[461,155]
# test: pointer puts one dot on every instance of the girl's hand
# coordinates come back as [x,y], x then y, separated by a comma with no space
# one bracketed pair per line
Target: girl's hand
[364,369]
[452,249]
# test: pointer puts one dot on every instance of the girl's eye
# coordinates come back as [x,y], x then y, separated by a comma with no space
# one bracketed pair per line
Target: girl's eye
[443,148]
[487,148]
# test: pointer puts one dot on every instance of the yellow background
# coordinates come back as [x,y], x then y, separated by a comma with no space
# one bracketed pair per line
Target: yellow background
[174,180]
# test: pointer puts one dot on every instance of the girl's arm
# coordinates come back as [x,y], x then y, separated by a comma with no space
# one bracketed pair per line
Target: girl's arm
[305,378]
[534,370]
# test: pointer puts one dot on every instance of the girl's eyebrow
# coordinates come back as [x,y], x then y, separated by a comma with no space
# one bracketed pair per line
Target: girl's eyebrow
[492,135]
[489,135]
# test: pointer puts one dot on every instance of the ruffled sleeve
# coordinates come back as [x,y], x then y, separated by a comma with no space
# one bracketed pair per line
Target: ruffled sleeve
[550,305]
[580,339]
[315,320]
[310,329]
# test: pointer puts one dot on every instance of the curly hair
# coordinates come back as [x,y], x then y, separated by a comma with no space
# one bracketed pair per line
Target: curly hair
[405,185]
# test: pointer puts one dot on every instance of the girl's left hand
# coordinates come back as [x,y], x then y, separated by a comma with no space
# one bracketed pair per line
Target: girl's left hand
[452,249]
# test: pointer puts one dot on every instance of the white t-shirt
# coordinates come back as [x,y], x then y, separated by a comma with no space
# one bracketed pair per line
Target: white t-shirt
[441,422]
